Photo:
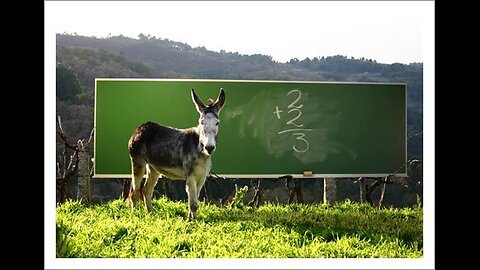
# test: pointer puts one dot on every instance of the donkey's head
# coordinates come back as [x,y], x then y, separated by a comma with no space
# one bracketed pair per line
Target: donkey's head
[208,121]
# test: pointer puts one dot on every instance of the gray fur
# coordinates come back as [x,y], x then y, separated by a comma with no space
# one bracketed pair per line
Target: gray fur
[175,153]
[165,147]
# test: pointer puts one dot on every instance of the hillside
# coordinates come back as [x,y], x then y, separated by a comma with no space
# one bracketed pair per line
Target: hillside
[81,59]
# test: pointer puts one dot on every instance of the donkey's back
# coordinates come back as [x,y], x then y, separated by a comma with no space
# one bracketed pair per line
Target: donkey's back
[162,146]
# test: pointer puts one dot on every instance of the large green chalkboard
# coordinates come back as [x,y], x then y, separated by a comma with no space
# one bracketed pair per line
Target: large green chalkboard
[267,129]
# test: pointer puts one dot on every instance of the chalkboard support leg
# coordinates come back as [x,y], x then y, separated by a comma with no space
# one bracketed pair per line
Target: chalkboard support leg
[257,193]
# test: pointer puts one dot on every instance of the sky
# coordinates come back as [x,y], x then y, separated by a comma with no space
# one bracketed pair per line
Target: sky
[380,30]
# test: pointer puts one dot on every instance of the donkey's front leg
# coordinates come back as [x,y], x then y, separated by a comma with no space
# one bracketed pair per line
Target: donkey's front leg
[200,182]
[202,176]
[192,197]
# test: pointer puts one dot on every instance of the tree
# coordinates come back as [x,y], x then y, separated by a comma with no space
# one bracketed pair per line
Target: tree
[141,36]
[68,85]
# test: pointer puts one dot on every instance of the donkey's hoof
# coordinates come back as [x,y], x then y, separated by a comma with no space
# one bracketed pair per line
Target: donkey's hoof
[192,216]
[130,203]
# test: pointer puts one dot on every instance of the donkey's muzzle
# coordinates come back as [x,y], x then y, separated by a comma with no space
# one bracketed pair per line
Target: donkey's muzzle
[210,149]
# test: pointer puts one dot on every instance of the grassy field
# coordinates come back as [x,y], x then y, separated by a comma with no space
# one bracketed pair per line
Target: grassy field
[344,230]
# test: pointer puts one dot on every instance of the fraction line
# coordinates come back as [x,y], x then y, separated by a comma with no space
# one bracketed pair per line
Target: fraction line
[294,129]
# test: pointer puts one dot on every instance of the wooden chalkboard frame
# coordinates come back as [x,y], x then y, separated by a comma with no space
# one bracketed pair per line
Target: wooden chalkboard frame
[402,172]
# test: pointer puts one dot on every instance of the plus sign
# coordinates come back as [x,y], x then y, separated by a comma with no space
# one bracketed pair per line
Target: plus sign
[277,112]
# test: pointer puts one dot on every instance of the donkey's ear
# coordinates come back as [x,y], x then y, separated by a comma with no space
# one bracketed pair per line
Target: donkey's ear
[198,103]
[220,101]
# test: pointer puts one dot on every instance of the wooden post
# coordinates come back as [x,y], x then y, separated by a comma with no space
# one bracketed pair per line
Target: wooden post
[84,192]
[361,184]
[369,191]
[386,181]
[257,193]
[329,190]
[382,195]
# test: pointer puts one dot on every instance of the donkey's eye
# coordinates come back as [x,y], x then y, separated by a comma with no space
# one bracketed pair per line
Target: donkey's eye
[202,122]
[216,124]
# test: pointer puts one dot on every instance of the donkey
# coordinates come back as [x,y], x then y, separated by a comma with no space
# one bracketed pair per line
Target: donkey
[175,153]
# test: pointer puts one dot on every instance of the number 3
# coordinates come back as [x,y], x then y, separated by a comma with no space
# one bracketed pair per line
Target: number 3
[301,137]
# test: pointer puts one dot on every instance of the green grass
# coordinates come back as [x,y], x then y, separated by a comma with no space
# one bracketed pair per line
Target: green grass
[345,230]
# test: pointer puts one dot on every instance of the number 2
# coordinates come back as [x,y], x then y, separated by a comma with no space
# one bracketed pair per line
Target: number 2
[292,121]
[295,108]
[296,100]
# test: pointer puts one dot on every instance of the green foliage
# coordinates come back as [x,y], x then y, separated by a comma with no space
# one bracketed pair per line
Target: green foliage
[68,85]
[62,241]
[90,63]
[346,230]
[86,98]
[239,195]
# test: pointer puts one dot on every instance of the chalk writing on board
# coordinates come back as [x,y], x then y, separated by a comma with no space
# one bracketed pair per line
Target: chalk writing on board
[314,125]
[293,123]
